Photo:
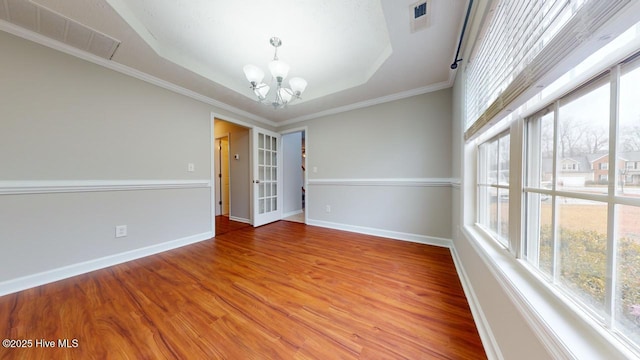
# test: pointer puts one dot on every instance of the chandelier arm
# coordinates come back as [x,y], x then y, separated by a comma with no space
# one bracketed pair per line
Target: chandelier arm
[278,100]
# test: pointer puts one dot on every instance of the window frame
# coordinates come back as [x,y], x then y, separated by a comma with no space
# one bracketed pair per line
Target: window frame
[483,220]
[519,235]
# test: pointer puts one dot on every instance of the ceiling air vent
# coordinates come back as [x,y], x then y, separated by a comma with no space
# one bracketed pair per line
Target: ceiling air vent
[49,23]
[420,15]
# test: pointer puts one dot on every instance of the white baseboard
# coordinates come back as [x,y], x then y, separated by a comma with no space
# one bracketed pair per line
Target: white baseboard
[30,281]
[482,324]
[291,213]
[422,239]
[242,220]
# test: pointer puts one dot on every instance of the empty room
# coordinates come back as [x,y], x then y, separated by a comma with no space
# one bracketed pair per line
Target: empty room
[357,179]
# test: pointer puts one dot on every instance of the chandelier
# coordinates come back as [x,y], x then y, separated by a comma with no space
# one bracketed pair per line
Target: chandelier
[279,70]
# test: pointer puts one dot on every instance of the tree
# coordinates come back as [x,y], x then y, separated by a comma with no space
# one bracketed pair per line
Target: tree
[596,140]
[630,138]
[571,137]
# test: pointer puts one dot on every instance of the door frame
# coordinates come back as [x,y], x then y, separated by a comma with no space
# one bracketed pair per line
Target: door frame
[212,162]
[217,139]
[305,181]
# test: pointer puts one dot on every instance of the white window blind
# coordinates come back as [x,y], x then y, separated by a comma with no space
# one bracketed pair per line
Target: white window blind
[522,41]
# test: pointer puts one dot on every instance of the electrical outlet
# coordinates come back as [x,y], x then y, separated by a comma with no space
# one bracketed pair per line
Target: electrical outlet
[327,208]
[191,167]
[121,231]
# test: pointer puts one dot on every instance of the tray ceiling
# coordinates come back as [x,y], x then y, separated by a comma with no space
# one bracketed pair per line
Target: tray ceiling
[352,53]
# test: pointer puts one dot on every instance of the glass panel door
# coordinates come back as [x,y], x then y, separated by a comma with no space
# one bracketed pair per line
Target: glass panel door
[266,187]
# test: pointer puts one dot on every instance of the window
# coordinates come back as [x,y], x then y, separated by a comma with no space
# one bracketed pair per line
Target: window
[493,187]
[521,41]
[576,219]
[584,240]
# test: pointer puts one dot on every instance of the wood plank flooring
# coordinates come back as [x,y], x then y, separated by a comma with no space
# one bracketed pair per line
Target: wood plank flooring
[225,225]
[280,291]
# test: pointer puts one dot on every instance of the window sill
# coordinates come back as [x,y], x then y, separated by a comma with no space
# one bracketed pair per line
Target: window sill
[564,329]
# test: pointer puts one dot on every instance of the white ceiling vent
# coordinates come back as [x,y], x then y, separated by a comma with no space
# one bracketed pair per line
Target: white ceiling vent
[49,23]
[420,15]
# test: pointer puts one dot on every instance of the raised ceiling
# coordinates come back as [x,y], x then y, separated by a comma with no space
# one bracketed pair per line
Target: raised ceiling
[351,52]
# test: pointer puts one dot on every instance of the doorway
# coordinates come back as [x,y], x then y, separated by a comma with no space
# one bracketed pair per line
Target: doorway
[231,204]
[294,175]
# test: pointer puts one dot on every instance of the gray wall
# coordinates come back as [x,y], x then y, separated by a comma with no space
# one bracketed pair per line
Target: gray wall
[383,169]
[83,149]
[64,119]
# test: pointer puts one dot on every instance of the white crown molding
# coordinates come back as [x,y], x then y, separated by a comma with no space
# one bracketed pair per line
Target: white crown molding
[46,277]
[74,186]
[419,182]
[123,69]
[371,102]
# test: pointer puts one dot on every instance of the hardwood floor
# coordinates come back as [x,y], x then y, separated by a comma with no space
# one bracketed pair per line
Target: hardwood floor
[225,225]
[280,291]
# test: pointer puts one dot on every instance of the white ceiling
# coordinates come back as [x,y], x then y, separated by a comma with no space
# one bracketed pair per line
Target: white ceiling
[351,52]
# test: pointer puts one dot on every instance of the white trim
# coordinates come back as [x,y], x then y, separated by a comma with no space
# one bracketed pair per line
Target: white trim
[238,219]
[564,332]
[371,102]
[483,325]
[46,277]
[291,213]
[396,235]
[74,186]
[126,70]
[123,69]
[294,130]
[215,116]
[212,169]
[305,180]
[420,182]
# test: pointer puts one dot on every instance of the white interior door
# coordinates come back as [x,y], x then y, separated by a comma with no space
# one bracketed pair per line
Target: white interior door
[267,174]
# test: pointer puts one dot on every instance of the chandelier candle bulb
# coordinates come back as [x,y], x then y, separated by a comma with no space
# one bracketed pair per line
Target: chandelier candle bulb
[298,85]
[279,70]
[261,91]
[254,74]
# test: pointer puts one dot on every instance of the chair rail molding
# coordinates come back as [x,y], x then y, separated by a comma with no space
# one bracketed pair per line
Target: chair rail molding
[416,182]
[74,186]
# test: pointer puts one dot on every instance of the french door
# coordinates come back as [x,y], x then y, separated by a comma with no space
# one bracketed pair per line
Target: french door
[267,183]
